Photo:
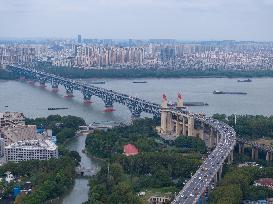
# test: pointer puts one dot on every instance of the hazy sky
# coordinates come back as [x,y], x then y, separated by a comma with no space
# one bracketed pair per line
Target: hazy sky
[180,19]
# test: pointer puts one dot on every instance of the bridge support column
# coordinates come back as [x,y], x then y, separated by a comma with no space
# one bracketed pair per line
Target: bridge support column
[230,158]
[170,124]
[42,84]
[31,81]
[69,92]
[22,78]
[87,98]
[217,138]
[184,126]
[55,87]
[220,172]
[108,105]
[211,139]
[190,126]
[179,127]
[269,156]
[241,148]
[255,153]
[215,179]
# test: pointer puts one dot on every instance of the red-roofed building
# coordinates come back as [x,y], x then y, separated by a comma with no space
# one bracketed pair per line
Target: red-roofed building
[130,150]
[266,182]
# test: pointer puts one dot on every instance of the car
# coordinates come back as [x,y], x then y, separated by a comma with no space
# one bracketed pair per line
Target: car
[191,195]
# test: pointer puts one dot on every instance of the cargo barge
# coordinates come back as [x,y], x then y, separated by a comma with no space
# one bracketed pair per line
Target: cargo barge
[56,108]
[140,82]
[244,80]
[229,92]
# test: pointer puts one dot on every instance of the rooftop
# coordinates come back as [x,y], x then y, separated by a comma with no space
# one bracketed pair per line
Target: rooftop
[130,150]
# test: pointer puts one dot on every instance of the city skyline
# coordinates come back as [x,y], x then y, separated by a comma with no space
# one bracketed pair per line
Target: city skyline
[117,19]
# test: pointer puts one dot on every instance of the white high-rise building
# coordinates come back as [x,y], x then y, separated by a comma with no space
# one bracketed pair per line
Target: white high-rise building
[31,150]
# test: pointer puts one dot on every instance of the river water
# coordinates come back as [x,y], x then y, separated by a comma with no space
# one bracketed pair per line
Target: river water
[34,101]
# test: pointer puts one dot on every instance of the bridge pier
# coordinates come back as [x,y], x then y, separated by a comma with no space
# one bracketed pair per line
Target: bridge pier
[230,158]
[108,105]
[69,92]
[22,78]
[31,81]
[179,128]
[255,153]
[55,87]
[211,139]
[241,148]
[42,84]
[191,126]
[220,172]
[184,126]
[87,98]
[269,156]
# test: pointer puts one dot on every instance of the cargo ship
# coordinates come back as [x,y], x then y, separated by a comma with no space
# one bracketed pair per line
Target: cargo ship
[229,92]
[244,80]
[140,82]
[97,82]
[56,108]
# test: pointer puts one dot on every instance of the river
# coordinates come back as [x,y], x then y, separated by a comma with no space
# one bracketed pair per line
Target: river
[34,101]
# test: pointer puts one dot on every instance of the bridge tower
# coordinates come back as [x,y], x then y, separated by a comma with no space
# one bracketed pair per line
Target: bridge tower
[164,114]
[180,102]
[179,106]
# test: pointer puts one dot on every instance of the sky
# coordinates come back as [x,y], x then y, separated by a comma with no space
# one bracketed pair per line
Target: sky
[138,19]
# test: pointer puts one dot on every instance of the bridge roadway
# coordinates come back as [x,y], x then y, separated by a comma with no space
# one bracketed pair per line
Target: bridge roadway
[205,175]
[201,181]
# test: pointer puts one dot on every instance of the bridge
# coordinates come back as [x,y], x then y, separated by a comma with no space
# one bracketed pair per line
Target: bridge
[219,137]
[109,97]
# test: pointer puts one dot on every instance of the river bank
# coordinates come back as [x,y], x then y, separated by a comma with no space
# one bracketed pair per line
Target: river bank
[126,73]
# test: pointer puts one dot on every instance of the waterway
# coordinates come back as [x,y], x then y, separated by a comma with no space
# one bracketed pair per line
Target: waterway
[34,102]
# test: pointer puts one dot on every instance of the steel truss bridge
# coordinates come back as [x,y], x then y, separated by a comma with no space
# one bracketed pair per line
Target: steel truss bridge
[202,180]
[134,104]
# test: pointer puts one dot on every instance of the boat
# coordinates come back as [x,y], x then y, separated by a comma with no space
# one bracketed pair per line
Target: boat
[193,104]
[140,82]
[229,92]
[97,82]
[244,80]
[56,108]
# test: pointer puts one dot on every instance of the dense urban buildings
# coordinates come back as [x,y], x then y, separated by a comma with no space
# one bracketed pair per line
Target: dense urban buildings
[20,142]
[160,54]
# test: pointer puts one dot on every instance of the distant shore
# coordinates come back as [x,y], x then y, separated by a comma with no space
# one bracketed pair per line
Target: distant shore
[153,73]
[77,73]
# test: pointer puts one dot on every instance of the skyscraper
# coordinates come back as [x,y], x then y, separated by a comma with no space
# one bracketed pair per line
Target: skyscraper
[79,38]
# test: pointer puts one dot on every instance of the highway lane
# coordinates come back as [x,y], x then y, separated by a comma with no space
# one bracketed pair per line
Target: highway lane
[204,176]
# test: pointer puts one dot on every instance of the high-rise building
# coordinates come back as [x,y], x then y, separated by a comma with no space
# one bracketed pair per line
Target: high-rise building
[79,38]
[31,149]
